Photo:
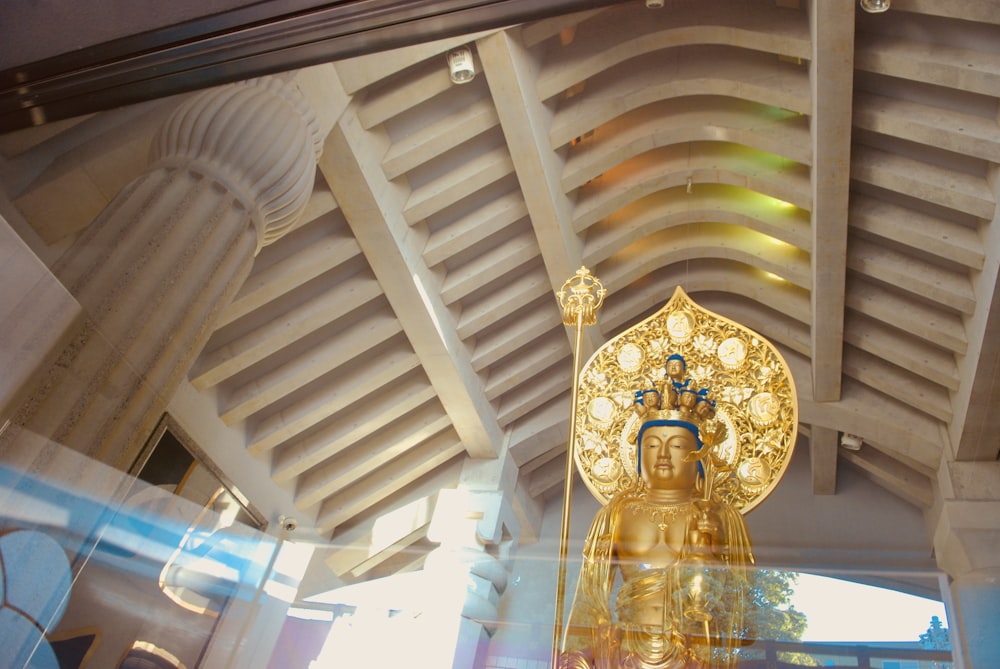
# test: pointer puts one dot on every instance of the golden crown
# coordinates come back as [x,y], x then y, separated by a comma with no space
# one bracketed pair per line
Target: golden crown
[676,400]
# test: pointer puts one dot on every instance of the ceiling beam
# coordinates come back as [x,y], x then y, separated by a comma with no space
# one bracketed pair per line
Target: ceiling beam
[912,437]
[372,205]
[428,459]
[892,475]
[512,76]
[831,24]
[823,457]
[976,429]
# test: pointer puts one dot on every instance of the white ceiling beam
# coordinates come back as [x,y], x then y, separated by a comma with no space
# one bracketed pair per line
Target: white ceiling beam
[372,206]
[540,431]
[942,327]
[512,76]
[718,203]
[707,240]
[682,121]
[716,275]
[430,456]
[331,395]
[823,458]
[979,438]
[944,286]
[396,439]
[368,539]
[548,476]
[269,387]
[974,432]
[936,184]
[950,130]
[605,42]
[831,76]
[912,437]
[976,71]
[226,360]
[702,163]
[439,137]
[718,71]
[892,475]
[356,424]
[274,281]
[902,349]
[936,235]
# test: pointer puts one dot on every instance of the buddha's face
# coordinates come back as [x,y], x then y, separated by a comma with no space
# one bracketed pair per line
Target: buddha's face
[675,368]
[663,452]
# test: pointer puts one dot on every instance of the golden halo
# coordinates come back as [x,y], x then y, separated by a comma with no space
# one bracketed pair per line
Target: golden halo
[751,382]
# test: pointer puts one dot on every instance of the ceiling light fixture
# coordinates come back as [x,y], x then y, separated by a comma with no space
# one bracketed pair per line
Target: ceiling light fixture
[851,442]
[875,6]
[654,4]
[461,66]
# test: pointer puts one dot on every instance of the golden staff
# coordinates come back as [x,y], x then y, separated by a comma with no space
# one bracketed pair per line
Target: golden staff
[579,298]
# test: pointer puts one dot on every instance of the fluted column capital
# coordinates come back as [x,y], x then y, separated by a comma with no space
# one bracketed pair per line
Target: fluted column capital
[258,138]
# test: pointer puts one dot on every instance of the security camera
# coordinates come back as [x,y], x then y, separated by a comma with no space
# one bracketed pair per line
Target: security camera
[288,524]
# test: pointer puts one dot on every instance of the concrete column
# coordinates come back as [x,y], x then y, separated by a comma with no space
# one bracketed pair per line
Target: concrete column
[474,530]
[230,171]
[966,540]
[976,598]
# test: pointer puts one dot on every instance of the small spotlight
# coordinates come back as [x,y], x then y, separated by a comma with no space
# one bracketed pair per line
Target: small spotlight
[851,442]
[461,66]
[654,4]
[875,6]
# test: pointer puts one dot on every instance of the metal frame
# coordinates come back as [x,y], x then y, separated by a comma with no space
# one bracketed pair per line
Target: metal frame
[249,41]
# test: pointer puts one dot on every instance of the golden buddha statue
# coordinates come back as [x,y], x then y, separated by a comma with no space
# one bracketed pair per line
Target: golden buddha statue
[682,558]
[665,572]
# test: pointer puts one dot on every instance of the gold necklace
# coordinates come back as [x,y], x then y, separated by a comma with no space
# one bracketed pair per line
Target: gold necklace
[662,515]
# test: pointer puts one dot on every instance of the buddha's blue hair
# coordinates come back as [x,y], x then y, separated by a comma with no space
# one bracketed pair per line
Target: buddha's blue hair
[664,422]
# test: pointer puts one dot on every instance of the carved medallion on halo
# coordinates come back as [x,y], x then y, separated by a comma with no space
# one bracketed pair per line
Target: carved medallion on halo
[601,410]
[732,353]
[680,325]
[749,378]
[763,409]
[754,473]
[630,357]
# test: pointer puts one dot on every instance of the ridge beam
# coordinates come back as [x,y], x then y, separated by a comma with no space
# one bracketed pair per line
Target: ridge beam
[512,76]
[351,163]
[831,77]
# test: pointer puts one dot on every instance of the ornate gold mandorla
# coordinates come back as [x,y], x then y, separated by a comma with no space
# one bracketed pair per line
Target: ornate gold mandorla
[753,387]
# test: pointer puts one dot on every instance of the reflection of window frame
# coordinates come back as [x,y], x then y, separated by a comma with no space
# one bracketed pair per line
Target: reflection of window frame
[167,589]
[168,423]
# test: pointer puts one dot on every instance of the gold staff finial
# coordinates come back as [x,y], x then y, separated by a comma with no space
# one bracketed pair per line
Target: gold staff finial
[580,298]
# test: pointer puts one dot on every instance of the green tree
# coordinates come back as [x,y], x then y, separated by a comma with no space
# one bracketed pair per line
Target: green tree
[771,615]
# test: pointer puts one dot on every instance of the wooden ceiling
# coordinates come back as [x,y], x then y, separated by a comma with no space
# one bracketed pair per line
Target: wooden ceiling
[827,179]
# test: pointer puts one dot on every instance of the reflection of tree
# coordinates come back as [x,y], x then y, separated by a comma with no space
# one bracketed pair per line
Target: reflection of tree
[936,638]
[771,616]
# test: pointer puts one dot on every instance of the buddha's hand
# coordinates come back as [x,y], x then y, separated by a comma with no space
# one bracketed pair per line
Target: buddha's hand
[575,659]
